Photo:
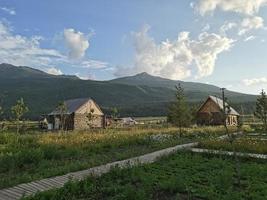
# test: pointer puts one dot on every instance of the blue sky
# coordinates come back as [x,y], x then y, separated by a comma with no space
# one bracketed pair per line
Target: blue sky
[217,42]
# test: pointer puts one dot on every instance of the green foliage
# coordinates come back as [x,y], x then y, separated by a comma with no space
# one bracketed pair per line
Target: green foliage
[18,111]
[1,111]
[90,116]
[244,144]
[2,124]
[181,176]
[114,112]
[261,109]
[62,109]
[34,156]
[132,96]
[179,112]
[60,153]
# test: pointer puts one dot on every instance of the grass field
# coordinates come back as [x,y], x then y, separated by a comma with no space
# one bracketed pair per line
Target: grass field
[250,119]
[248,144]
[38,155]
[181,176]
[151,120]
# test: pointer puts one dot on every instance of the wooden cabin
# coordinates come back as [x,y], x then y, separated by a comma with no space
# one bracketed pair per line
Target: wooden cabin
[75,115]
[210,113]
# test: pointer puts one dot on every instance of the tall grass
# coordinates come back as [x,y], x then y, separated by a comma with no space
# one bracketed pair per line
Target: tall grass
[180,176]
[38,155]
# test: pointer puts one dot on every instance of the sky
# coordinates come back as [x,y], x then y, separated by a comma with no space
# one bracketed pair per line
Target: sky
[219,42]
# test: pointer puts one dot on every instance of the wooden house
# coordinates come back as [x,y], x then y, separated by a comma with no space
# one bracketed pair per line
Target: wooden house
[75,115]
[211,113]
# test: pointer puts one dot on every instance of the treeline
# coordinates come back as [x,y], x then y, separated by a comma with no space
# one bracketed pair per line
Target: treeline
[18,111]
[136,110]
[161,109]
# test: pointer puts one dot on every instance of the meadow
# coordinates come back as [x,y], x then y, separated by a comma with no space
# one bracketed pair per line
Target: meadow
[247,144]
[35,155]
[182,176]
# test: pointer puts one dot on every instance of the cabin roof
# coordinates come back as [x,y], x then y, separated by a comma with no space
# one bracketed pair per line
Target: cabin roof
[72,105]
[219,102]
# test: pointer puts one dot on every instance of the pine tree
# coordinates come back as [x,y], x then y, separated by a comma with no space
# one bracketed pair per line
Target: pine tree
[179,112]
[261,109]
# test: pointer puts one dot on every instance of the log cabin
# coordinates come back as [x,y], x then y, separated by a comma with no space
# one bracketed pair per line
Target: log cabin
[75,115]
[211,113]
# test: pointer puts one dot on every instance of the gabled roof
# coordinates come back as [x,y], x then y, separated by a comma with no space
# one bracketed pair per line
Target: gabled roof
[72,105]
[219,102]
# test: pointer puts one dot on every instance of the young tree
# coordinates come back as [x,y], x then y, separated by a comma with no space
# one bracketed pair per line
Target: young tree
[90,118]
[231,137]
[62,108]
[1,108]
[179,112]
[1,111]
[261,109]
[1,122]
[114,113]
[19,110]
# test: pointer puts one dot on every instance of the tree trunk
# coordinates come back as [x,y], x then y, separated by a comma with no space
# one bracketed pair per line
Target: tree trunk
[180,131]
[17,126]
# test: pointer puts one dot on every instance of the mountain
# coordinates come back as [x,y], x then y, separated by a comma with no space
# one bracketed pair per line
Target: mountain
[8,71]
[194,91]
[156,81]
[139,95]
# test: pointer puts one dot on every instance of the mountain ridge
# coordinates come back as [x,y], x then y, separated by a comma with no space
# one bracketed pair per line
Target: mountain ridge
[137,95]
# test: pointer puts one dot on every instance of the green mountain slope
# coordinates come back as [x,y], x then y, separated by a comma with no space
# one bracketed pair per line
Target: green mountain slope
[138,95]
[194,91]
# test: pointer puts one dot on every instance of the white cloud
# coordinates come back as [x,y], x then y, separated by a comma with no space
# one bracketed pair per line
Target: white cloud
[76,42]
[247,10]
[206,28]
[206,49]
[85,76]
[255,81]
[26,51]
[10,11]
[227,26]
[53,71]
[247,7]
[251,23]
[93,64]
[175,59]
[20,50]
[252,37]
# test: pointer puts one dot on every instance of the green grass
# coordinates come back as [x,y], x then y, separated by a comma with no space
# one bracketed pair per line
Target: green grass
[151,120]
[247,144]
[34,156]
[180,176]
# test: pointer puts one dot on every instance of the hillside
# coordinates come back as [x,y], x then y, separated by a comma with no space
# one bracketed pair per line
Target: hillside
[194,91]
[138,95]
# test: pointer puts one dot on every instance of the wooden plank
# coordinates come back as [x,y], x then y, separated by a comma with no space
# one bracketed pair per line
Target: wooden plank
[14,192]
[53,182]
[7,195]
[4,197]
[58,181]
[40,186]
[27,188]
[17,190]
